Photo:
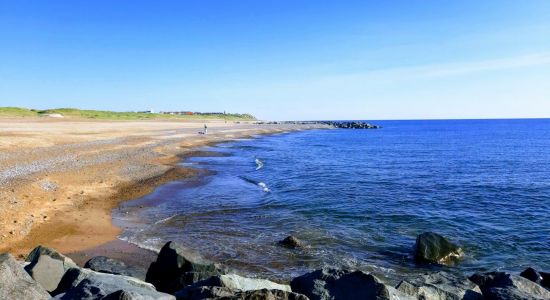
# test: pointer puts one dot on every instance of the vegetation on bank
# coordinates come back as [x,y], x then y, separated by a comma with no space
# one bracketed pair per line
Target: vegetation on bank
[113,115]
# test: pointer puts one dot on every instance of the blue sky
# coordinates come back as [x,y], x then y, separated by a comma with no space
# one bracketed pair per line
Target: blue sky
[280,59]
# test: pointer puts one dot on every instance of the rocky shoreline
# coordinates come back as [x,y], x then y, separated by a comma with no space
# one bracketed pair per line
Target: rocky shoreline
[178,273]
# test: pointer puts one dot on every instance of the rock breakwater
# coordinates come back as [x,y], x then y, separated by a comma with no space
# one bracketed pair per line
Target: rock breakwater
[180,274]
[330,124]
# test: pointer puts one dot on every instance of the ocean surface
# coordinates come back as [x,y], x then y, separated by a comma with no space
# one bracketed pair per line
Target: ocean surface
[359,198]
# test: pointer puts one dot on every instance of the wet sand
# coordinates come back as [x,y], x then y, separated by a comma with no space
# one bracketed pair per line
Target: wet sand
[60,179]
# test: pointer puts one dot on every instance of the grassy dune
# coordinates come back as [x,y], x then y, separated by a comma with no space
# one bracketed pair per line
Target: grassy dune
[112,115]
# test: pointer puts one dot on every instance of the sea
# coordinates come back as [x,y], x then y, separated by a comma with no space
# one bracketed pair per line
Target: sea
[359,198]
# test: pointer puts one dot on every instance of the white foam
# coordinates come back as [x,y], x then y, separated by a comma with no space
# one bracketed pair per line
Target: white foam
[259,164]
[165,219]
[264,187]
[153,244]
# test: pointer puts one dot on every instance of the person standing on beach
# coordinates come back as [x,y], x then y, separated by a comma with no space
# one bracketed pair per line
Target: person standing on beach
[205,129]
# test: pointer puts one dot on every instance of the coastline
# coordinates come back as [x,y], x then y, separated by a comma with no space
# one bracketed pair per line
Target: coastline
[88,168]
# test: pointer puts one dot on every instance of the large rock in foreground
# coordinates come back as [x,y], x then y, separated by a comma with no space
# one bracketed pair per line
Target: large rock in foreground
[87,284]
[48,266]
[15,283]
[333,284]
[234,281]
[108,265]
[233,285]
[176,268]
[433,248]
[440,286]
[499,285]
[225,293]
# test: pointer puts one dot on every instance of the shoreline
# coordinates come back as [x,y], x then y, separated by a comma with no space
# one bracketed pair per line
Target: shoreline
[73,221]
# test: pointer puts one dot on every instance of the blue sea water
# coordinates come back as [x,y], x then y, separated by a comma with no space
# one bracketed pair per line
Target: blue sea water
[359,198]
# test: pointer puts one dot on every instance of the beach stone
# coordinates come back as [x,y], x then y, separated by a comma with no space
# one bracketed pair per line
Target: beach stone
[205,292]
[225,293]
[46,271]
[291,242]
[47,266]
[440,286]
[335,284]
[41,250]
[15,283]
[500,285]
[129,295]
[87,284]
[175,265]
[433,248]
[91,288]
[531,274]
[541,278]
[545,279]
[108,265]
[236,282]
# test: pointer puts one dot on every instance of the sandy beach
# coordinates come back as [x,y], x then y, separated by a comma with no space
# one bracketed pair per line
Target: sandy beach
[61,178]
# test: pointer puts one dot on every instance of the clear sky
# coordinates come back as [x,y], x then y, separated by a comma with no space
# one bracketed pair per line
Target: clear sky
[280,59]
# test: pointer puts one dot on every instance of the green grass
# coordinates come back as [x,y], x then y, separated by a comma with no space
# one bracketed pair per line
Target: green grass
[112,115]
[16,112]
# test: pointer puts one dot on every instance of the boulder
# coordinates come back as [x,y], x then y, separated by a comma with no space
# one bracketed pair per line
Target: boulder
[108,265]
[41,250]
[47,266]
[500,285]
[541,278]
[204,292]
[433,248]
[87,284]
[129,295]
[236,282]
[92,288]
[15,283]
[225,293]
[532,275]
[545,279]
[291,242]
[176,267]
[337,284]
[440,286]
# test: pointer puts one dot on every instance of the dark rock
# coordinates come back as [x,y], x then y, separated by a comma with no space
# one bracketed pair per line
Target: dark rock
[499,285]
[266,294]
[204,292]
[112,266]
[336,284]
[87,284]
[171,271]
[545,279]
[15,283]
[532,275]
[188,278]
[440,286]
[47,266]
[291,242]
[235,282]
[433,248]
[225,293]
